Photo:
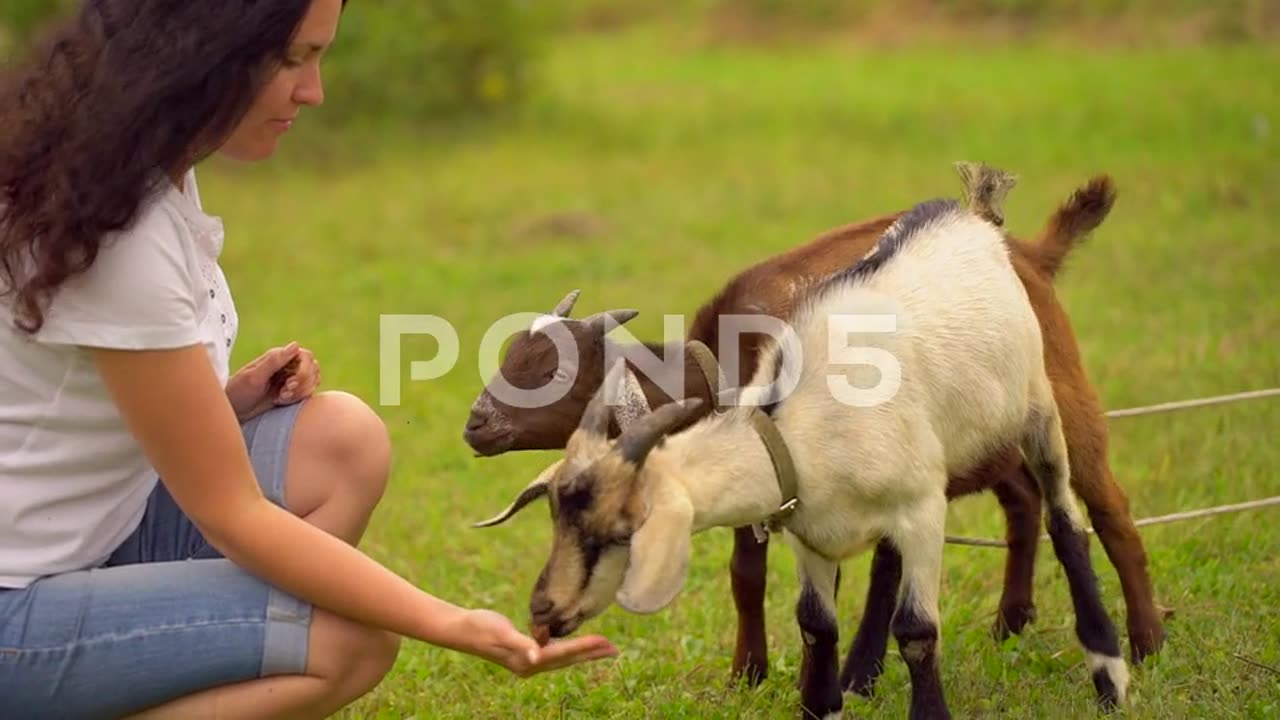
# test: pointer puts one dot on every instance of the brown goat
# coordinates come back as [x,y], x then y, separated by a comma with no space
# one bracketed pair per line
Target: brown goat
[772,288]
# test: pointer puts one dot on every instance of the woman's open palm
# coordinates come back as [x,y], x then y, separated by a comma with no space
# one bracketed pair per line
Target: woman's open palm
[497,639]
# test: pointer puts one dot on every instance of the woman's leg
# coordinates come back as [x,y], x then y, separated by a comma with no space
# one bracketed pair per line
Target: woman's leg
[344,661]
[118,640]
[326,460]
[339,459]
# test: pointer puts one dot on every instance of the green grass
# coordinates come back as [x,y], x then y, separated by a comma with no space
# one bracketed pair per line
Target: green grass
[696,162]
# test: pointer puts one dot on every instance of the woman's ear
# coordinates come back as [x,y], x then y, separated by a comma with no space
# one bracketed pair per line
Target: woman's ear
[659,560]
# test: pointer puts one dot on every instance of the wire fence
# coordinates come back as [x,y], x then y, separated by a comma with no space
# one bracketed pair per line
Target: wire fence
[1199,402]
[1178,516]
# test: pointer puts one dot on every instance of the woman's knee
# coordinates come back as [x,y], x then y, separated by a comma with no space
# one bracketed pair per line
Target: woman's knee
[351,658]
[343,431]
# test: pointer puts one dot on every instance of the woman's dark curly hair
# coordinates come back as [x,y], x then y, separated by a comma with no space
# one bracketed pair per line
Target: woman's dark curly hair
[110,102]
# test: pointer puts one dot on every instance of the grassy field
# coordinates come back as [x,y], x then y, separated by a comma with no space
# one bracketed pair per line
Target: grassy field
[651,170]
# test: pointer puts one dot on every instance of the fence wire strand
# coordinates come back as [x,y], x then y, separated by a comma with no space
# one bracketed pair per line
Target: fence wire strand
[1173,517]
[1198,402]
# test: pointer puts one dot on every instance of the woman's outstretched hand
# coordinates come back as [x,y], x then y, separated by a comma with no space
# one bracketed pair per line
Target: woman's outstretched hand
[493,637]
[280,376]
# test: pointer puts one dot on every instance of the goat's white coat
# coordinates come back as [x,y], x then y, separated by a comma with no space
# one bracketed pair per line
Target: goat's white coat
[969,349]
[541,322]
[966,352]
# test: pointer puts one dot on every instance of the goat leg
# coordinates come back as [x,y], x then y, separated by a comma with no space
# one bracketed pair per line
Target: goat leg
[1019,497]
[820,694]
[1046,451]
[1119,536]
[1085,428]
[916,623]
[865,661]
[747,570]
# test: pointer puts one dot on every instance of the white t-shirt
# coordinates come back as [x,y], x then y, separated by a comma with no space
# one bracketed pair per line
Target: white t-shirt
[73,480]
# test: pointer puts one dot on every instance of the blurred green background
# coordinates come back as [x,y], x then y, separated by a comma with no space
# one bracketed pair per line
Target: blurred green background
[427,60]
[475,159]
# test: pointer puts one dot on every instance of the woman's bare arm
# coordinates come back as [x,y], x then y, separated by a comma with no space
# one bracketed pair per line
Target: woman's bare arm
[180,415]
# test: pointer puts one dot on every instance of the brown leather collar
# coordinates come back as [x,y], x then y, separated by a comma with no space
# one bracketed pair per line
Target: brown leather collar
[783,466]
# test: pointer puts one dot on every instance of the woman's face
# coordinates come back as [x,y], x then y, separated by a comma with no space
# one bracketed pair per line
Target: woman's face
[296,83]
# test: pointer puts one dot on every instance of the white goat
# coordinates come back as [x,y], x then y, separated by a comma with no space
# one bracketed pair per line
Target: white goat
[875,420]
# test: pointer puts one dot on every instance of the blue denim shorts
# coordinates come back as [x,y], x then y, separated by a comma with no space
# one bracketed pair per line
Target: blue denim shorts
[164,617]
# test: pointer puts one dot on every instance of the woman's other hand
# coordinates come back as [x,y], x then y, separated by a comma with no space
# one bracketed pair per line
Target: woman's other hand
[280,376]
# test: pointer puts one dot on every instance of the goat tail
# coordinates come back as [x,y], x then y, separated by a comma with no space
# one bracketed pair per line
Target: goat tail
[1074,219]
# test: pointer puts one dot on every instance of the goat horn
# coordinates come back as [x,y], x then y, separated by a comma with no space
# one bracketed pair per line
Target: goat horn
[595,418]
[565,306]
[601,319]
[531,492]
[645,433]
[633,404]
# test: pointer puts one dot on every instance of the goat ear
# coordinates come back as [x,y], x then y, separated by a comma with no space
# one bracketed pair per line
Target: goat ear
[531,492]
[634,405]
[659,561]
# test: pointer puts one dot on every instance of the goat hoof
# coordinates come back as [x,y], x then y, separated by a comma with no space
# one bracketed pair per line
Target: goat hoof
[750,673]
[1012,620]
[862,687]
[1144,643]
[1107,701]
[861,682]
[830,709]
[1110,681]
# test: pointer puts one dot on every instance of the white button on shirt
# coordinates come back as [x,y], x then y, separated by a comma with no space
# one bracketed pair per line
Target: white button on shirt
[220,320]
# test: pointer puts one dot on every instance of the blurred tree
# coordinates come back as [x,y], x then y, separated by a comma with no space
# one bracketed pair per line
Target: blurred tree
[421,59]
[403,59]
[1218,19]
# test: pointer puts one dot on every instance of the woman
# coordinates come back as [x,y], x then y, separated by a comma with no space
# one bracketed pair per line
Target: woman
[172,534]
